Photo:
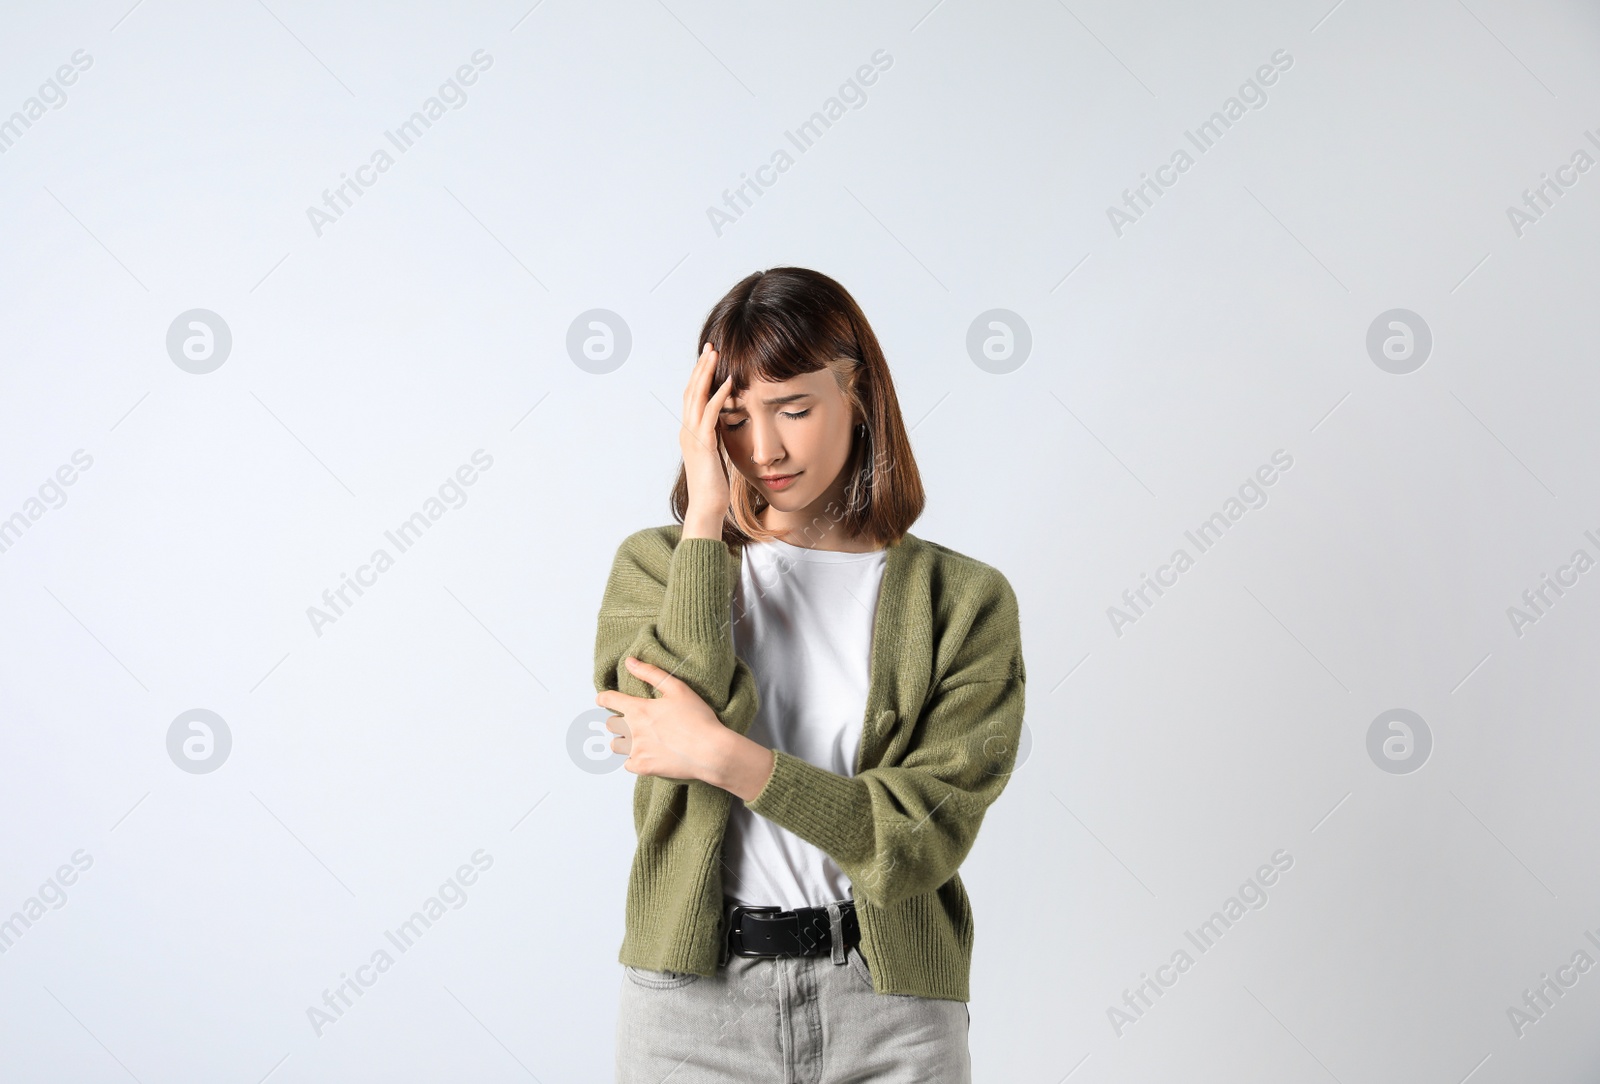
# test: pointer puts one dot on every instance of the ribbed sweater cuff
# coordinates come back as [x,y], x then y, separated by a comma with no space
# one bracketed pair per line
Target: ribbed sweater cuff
[699,594]
[825,809]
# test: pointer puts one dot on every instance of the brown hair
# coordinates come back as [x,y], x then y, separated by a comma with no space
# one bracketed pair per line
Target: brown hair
[788,321]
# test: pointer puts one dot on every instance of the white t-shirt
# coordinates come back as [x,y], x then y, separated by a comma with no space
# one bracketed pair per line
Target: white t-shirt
[803,621]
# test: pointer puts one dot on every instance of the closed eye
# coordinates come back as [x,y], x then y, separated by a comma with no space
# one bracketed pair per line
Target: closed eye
[731,428]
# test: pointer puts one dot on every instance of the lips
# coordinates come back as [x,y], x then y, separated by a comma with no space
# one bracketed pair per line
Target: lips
[778,481]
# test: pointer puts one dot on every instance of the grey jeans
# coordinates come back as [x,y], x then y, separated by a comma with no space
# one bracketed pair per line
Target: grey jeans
[785,1020]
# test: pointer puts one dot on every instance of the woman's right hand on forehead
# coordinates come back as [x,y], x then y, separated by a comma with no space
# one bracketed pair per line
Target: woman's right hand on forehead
[702,453]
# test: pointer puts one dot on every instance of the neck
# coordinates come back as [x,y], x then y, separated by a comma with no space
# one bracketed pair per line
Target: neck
[816,532]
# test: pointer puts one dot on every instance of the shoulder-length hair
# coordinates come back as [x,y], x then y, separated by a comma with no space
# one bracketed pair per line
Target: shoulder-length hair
[788,321]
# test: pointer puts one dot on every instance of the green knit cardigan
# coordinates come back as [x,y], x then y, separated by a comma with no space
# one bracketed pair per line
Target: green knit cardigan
[939,739]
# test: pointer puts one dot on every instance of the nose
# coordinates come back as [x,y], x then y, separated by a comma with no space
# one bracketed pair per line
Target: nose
[765,447]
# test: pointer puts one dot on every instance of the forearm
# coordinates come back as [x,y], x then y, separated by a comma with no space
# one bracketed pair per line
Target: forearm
[701,527]
[741,767]
[671,607]
[898,831]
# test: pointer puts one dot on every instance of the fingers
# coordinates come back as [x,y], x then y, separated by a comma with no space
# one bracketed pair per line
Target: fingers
[696,378]
[713,411]
[650,673]
[621,703]
[694,395]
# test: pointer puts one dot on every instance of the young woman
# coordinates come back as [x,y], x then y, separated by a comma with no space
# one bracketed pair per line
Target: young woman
[790,644]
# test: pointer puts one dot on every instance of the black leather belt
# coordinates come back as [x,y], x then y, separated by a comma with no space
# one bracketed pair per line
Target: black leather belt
[772,932]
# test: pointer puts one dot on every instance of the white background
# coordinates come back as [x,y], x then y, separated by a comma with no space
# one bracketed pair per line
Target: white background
[430,320]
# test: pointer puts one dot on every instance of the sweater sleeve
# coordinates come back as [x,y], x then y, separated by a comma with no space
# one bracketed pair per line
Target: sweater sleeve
[901,831]
[671,605]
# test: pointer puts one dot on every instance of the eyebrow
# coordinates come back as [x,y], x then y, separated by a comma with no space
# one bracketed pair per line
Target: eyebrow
[779,401]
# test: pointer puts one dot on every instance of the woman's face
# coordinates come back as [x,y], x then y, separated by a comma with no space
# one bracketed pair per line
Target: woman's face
[800,428]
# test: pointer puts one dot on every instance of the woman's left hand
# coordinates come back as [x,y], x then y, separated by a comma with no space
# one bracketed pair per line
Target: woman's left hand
[675,735]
